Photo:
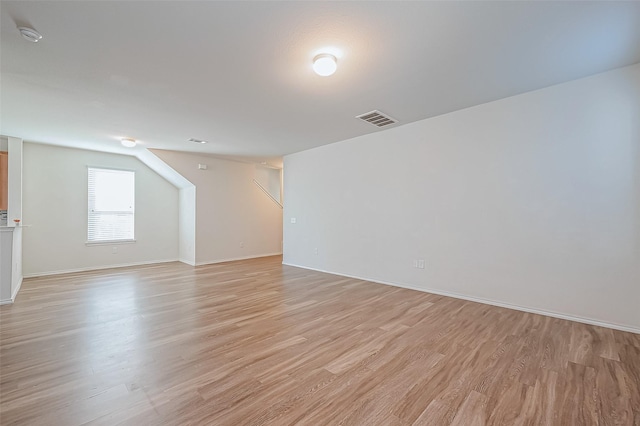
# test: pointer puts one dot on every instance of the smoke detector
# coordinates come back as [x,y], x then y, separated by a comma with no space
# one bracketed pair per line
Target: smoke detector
[377,118]
[30,34]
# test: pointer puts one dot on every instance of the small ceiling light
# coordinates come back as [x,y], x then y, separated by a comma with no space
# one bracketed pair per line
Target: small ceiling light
[128,142]
[196,140]
[30,34]
[325,64]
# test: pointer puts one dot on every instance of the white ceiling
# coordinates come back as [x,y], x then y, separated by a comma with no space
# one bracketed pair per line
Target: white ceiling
[238,74]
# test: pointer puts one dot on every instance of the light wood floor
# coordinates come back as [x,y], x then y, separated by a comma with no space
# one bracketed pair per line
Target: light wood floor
[255,342]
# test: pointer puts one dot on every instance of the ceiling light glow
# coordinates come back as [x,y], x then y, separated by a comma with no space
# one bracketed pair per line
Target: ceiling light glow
[325,64]
[128,142]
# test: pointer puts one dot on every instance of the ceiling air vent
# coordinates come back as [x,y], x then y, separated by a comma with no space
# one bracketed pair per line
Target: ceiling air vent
[197,140]
[377,118]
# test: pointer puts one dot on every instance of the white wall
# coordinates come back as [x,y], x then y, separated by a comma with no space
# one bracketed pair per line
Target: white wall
[187,225]
[55,205]
[16,260]
[231,211]
[186,204]
[271,180]
[532,201]
[11,250]
[6,262]
[14,202]
[14,209]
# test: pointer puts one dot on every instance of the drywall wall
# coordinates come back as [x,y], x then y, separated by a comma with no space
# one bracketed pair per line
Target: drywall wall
[55,207]
[234,218]
[531,201]
[11,260]
[16,261]
[14,204]
[6,262]
[187,225]
[270,180]
[186,204]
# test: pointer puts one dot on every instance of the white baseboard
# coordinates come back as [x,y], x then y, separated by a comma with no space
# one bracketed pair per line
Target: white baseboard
[15,292]
[150,262]
[13,296]
[233,259]
[590,321]
[97,268]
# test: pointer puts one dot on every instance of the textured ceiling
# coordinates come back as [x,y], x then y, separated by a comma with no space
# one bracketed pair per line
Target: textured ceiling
[238,74]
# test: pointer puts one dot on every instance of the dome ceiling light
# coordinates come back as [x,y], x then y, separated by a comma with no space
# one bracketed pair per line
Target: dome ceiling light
[128,142]
[30,34]
[325,64]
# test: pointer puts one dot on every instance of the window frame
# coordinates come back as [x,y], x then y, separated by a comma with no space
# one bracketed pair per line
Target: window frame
[133,212]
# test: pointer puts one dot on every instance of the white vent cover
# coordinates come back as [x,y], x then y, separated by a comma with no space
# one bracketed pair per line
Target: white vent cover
[377,118]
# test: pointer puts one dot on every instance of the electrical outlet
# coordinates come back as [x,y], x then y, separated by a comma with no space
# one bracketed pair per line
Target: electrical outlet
[420,263]
[293,220]
[315,250]
[415,263]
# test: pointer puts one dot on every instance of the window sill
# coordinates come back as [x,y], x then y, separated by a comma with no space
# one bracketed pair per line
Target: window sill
[108,243]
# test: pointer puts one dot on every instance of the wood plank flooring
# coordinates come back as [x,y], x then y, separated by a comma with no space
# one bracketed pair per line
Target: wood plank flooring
[255,342]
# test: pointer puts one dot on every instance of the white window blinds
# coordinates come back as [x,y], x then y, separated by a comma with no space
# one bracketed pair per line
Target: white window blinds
[111,205]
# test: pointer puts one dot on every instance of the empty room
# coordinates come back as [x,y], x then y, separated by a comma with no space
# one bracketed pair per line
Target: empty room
[319,213]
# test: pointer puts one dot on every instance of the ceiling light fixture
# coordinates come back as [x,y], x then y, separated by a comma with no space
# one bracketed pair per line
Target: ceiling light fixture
[128,142]
[325,64]
[197,140]
[30,34]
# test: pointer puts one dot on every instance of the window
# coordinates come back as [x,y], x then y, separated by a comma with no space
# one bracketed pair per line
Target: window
[111,205]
